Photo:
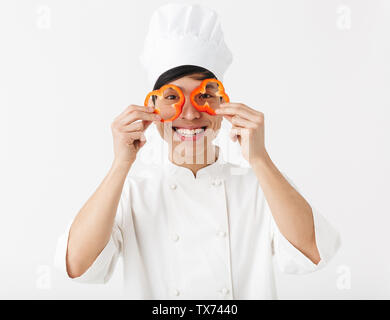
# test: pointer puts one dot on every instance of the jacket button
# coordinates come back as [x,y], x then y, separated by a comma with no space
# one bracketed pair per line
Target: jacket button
[216,182]
[221,234]
[224,291]
[176,292]
[173,186]
[175,237]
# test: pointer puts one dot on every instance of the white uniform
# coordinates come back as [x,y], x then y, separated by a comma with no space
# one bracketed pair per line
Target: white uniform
[209,237]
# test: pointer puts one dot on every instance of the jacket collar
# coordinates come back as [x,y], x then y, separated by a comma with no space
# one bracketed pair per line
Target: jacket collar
[213,170]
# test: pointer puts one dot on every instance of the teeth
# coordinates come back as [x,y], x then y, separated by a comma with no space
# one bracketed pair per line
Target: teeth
[189,132]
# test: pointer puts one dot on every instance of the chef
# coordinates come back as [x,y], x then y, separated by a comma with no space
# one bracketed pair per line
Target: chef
[195,226]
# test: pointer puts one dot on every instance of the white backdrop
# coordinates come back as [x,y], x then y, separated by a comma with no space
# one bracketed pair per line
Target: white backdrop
[319,70]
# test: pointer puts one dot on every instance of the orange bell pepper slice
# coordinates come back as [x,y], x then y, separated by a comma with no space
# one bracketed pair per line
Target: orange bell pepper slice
[202,89]
[159,93]
[179,105]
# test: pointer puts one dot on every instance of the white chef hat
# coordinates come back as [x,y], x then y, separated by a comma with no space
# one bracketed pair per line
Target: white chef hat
[183,34]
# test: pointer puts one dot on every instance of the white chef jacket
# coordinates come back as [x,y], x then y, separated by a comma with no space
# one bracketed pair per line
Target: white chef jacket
[206,237]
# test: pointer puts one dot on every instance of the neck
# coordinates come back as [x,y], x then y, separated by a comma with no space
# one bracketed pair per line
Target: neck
[196,162]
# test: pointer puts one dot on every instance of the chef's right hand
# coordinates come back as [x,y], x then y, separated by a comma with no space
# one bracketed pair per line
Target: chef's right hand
[128,132]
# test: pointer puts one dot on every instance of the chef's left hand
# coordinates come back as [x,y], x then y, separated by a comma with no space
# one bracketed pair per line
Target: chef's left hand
[247,128]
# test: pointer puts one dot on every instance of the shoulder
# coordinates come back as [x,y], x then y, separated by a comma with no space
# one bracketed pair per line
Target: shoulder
[245,172]
[244,177]
[142,176]
[240,178]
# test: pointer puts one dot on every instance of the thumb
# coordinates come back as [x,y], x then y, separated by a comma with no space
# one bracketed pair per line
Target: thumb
[234,133]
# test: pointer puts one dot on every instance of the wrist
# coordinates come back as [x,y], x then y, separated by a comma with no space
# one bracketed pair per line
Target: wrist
[263,167]
[121,165]
[261,161]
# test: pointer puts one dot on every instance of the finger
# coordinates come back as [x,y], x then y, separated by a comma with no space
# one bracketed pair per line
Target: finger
[233,136]
[244,113]
[139,115]
[234,133]
[228,118]
[134,107]
[254,114]
[142,143]
[239,105]
[244,123]
[147,124]
[137,126]
[132,136]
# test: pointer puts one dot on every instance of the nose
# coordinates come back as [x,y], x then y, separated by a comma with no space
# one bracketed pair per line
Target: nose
[189,112]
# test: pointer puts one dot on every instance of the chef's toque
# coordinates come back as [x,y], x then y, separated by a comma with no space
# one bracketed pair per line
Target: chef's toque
[183,34]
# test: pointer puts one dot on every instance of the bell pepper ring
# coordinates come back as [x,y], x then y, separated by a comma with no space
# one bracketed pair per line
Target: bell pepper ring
[202,89]
[178,106]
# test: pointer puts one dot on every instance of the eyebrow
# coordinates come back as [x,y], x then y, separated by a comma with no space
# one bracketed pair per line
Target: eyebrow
[208,86]
[182,89]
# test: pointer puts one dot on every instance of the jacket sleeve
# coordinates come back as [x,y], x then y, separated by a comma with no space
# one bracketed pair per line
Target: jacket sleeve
[292,261]
[102,268]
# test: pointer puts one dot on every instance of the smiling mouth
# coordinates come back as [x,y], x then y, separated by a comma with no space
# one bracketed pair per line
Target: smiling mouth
[189,134]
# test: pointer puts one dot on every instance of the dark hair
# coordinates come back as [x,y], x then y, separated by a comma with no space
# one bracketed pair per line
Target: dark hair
[196,72]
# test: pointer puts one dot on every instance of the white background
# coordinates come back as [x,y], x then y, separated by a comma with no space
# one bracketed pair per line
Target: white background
[319,70]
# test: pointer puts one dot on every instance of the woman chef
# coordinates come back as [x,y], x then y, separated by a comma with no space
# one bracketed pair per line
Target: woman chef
[196,227]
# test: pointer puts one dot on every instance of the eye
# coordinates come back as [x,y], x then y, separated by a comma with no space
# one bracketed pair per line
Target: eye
[171,97]
[206,96]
